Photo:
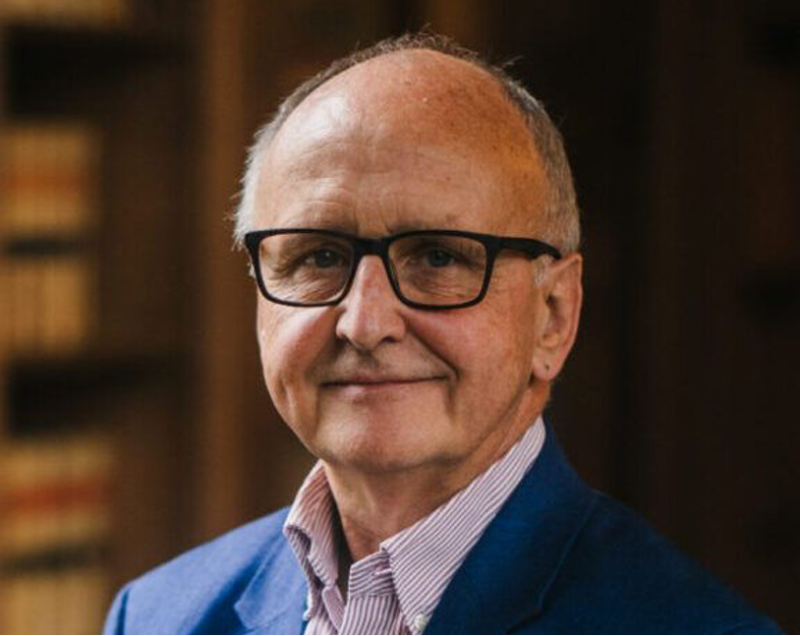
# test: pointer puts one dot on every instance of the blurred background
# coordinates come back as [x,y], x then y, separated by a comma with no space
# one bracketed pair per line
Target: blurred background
[133,419]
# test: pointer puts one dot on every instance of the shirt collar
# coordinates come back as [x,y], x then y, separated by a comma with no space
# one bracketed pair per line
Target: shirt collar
[310,529]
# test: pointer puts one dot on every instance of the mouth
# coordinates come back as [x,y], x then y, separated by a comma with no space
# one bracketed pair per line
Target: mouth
[362,386]
[378,381]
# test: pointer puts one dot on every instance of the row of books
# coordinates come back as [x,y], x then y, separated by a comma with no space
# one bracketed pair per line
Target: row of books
[67,601]
[50,175]
[49,188]
[79,12]
[55,522]
[54,491]
[47,302]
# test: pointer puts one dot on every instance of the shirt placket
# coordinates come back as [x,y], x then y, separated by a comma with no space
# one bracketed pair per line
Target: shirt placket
[372,606]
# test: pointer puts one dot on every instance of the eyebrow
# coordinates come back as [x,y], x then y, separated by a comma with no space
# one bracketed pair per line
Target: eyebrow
[403,226]
[321,221]
[419,219]
[347,225]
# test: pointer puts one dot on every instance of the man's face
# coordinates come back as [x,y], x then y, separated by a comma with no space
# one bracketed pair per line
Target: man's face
[372,384]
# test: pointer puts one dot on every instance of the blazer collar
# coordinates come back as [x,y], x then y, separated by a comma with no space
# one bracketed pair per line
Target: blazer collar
[275,599]
[505,578]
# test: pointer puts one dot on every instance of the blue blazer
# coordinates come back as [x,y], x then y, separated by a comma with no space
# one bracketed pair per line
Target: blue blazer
[558,558]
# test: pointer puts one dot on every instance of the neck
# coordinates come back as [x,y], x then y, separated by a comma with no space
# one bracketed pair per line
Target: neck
[372,509]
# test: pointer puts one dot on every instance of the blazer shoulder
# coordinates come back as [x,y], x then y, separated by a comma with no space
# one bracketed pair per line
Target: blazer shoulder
[197,590]
[228,556]
[635,578]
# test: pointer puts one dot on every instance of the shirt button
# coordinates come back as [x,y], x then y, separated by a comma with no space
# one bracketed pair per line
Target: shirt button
[419,623]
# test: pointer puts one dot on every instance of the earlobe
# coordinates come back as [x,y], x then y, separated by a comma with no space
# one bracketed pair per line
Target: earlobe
[541,372]
[561,303]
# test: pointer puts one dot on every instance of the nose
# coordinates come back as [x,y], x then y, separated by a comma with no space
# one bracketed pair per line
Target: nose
[371,312]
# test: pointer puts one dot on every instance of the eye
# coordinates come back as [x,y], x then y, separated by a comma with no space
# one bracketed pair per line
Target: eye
[438,258]
[324,259]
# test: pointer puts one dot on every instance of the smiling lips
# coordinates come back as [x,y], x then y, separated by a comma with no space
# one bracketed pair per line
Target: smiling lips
[367,383]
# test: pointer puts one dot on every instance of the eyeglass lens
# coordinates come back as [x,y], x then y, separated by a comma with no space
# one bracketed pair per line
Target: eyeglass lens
[313,268]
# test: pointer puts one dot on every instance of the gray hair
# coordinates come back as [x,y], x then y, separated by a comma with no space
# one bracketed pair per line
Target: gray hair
[561,225]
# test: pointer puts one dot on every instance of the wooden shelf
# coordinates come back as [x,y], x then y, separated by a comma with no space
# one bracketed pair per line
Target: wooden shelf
[57,393]
[127,378]
[123,39]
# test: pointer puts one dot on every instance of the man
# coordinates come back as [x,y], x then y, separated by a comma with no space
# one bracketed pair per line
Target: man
[413,231]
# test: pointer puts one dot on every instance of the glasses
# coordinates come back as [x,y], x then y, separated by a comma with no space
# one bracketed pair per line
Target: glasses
[428,269]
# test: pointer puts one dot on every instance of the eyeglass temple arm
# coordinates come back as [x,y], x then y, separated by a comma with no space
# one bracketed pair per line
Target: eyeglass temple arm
[530,246]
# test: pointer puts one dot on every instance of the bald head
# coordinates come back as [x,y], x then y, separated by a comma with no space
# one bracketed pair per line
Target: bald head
[423,100]
[426,98]
[426,89]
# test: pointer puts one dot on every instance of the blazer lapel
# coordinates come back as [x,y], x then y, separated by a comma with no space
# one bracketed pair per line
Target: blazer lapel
[275,599]
[505,578]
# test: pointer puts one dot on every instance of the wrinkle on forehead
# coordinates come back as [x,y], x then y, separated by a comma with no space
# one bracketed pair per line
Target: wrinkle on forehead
[414,101]
[415,93]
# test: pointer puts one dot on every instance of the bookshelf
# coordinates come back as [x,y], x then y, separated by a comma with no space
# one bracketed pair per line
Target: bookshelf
[94,141]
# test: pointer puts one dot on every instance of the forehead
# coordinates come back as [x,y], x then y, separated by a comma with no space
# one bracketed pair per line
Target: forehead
[405,128]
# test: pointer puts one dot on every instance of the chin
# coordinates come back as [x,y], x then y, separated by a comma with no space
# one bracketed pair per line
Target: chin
[371,463]
[370,452]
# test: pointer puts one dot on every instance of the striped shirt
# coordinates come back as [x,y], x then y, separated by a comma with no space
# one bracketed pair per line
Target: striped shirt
[396,589]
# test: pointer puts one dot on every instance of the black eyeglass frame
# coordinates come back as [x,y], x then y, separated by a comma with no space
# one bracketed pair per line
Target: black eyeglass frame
[380,247]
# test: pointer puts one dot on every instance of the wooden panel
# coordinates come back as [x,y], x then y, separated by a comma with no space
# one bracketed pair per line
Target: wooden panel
[3,297]
[721,370]
[218,488]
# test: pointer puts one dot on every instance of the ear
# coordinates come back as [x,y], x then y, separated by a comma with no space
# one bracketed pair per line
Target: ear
[561,300]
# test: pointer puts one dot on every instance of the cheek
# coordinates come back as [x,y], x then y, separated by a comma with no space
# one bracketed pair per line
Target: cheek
[493,352]
[290,343]
[489,351]
[517,315]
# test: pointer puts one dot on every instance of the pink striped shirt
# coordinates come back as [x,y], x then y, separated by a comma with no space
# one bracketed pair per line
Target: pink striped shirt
[396,589]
